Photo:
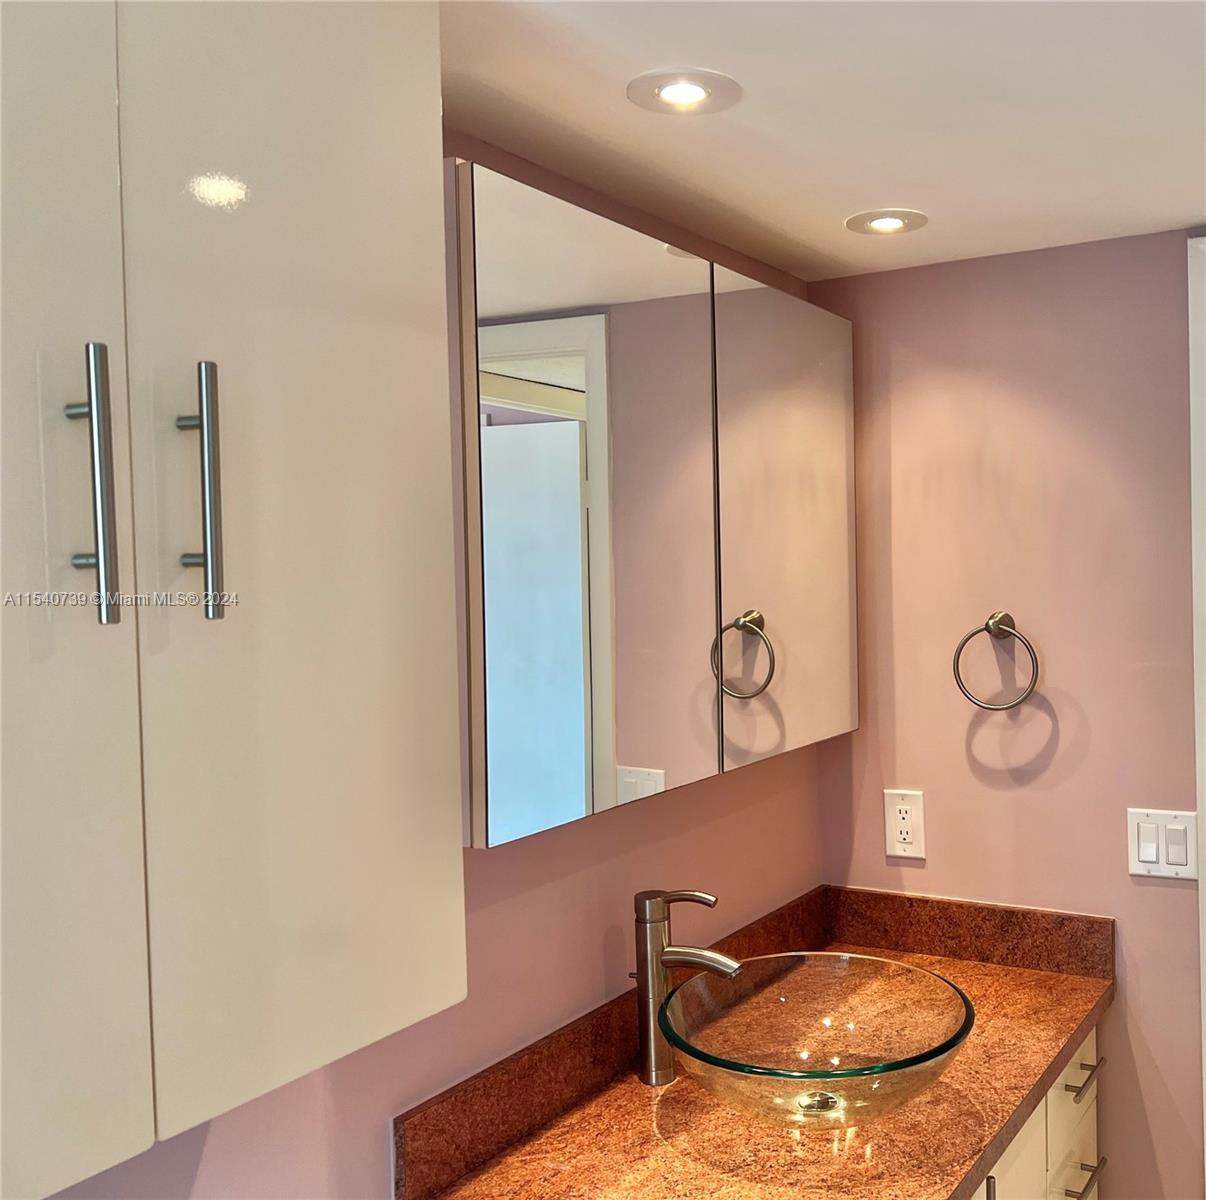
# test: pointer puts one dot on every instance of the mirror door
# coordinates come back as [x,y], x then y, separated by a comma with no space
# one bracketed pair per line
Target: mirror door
[591,568]
[785,452]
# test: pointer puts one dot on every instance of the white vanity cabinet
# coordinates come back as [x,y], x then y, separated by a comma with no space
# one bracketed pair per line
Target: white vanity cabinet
[288,764]
[1055,1155]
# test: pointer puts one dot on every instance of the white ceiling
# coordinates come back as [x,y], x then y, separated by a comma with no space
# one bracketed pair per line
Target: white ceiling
[537,254]
[1014,125]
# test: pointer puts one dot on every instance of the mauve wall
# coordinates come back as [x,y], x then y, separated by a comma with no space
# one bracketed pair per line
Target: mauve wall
[550,937]
[1022,443]
[1021,436]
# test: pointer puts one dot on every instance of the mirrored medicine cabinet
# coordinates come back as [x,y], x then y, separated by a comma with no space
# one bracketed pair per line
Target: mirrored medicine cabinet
[656,475]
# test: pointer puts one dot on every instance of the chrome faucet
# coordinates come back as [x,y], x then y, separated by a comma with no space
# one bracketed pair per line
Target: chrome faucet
[655,955]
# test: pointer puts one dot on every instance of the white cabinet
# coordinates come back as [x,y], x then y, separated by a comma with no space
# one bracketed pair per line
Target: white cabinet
[1021,1172]
[1066,1108]
[1074,1163]
[280,194]
[76,1047]
[301,754]
[1056,1151]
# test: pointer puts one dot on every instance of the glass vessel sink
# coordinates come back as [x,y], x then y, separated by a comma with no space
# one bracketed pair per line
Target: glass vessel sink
[817,1039]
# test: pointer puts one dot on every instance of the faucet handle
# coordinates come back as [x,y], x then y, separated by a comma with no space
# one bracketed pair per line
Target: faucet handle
[655,905]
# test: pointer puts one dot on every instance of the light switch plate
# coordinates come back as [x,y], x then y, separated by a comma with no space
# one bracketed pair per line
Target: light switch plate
[1139,823]
[635,783]
[904,823]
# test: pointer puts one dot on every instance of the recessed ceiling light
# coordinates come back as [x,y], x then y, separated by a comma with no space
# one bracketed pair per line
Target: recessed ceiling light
[886,221]
[682,93]
[685,90]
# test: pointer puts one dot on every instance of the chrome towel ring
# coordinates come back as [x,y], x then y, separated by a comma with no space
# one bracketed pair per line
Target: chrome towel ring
[753,624]
[1000,625]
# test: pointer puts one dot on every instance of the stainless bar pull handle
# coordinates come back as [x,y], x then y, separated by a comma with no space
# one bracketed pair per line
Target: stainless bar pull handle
[1079,1091]
[104,520]
[1095,1170]
[210,557]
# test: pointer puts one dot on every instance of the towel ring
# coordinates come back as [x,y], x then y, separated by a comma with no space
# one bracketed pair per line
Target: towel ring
[753,624]
[1000,625]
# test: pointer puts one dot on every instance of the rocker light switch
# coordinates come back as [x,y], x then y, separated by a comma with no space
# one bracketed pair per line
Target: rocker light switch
[1162,843]
[1178,846]
[1149,842]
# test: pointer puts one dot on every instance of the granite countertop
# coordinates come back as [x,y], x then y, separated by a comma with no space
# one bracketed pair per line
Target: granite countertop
[678,1143]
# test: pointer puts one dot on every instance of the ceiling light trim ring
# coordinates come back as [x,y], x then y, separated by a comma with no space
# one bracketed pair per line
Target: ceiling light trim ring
[910,219]
[719,90]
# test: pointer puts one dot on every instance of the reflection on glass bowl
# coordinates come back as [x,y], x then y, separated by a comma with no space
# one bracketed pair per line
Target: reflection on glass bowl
[819,1038]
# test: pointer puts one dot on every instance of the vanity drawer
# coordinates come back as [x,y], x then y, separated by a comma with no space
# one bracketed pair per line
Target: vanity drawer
[1021,1171]
[1076,1170]
[1064,1111]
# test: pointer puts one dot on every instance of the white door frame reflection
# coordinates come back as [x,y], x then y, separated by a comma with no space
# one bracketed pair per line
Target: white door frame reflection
[556,370]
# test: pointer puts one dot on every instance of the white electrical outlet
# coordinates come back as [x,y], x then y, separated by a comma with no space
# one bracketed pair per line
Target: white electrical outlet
[904,823]
[635,783]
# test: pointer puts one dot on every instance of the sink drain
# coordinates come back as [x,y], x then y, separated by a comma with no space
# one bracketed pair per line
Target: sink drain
[818,1102]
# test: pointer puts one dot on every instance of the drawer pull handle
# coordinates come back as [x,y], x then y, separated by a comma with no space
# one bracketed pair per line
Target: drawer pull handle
[1090,1183]
[1081,1091]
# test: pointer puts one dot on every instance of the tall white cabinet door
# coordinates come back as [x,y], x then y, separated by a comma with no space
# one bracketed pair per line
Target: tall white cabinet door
[284,214]
[76,1092]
